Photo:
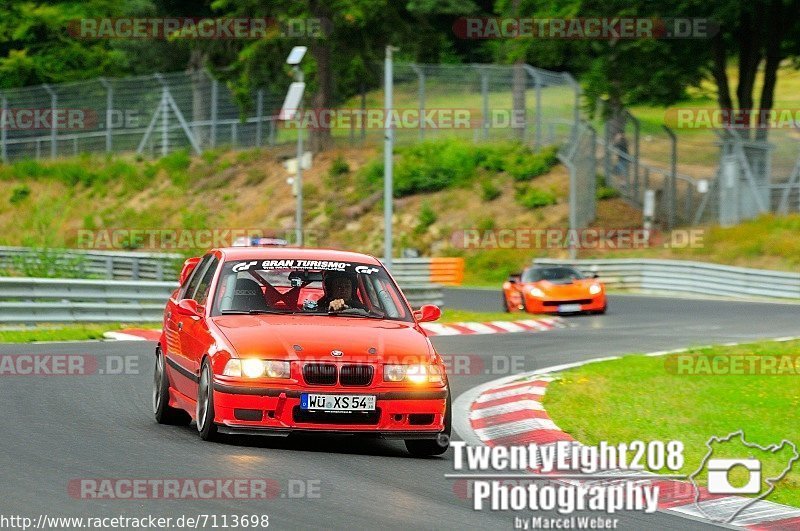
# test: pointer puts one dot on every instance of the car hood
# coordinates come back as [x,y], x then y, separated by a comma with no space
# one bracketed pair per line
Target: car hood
[309,337]
[576,289]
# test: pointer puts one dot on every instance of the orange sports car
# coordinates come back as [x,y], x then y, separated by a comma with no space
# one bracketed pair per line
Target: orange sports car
[554,289]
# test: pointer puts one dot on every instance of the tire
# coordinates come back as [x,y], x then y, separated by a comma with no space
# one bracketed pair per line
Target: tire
[205,404]
[164,413]
[505,303]
[439,445]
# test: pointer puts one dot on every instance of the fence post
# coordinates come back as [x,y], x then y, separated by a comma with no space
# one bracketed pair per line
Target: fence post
[537,80]
[53,130]
[214,97]
[672,185]
[634,190]
[259,115]
[485,98]
[576,110]
[593,170]
[421,98]
[109,109]
[607,164]
[3,131]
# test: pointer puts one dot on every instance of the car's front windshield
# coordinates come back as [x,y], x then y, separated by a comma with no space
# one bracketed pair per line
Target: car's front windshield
[552,274]
[308,287]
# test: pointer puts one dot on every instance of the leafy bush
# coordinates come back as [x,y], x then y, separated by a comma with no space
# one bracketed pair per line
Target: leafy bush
[19,194]
[606,192]
[490,191]
[427,217]
[338,167]
[533,198]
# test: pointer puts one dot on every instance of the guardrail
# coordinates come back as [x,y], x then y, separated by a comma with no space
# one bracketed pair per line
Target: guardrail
[51,300]
[445,271]
[97,264]
[124,265]
[679,276]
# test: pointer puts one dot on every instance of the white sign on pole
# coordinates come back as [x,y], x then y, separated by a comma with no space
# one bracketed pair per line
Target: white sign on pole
[702,186]
[291,104]
[291,164]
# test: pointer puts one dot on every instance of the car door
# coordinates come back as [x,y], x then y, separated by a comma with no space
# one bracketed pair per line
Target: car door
[195,337]
[179,365]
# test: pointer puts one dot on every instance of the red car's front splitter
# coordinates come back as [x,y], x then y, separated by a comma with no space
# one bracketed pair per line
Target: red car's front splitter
[399,413]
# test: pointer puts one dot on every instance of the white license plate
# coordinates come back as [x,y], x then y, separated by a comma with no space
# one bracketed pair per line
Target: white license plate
[337,402]
[569,308]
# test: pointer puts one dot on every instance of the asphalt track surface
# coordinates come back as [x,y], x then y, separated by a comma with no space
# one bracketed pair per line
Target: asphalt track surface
[62,428]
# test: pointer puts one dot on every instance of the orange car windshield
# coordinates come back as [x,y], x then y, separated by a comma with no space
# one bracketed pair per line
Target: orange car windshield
[308,287]
[552,274]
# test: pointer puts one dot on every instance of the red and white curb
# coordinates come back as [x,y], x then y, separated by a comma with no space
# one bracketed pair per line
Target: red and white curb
[509,411]
[541,324]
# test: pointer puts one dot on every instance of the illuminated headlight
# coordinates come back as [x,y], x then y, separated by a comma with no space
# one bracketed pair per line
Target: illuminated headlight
[417,374]
[594,289]
[536,292]
[256,368]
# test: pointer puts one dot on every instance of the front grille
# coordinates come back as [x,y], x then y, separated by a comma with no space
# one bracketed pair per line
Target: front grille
[558,303]
[319,373]
[356,374]
[344,417]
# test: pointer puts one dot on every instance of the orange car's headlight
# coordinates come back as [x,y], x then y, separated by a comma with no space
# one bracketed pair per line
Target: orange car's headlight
[594,289]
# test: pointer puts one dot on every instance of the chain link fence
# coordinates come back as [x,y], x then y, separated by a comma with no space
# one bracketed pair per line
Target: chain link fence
[158,114]
[152,115]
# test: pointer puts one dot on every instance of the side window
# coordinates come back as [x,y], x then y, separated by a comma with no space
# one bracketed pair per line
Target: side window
[201,295]
[197,274]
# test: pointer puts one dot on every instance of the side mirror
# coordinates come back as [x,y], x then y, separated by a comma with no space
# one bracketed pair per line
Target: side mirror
[514,278]
[595,275]
[188,307]
[427,313]
[188,266]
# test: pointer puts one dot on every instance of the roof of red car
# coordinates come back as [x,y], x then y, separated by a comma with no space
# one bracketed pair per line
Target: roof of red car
[276,253]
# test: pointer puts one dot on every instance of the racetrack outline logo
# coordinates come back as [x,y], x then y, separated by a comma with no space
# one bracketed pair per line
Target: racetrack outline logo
[773,448]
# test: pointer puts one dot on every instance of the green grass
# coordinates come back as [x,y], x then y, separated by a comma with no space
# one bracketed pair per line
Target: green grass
[77,332]
[463,316]
[640,398]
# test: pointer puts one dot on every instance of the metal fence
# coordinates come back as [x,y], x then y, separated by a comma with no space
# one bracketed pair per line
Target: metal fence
[679,276]
[580,159]
[708,176]
[152,115]
[160,113]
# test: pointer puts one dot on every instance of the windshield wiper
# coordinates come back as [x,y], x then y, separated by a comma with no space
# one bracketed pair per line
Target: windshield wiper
[257,312]
[357,312]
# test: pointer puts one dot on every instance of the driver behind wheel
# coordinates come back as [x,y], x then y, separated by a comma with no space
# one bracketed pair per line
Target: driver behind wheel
[339,293]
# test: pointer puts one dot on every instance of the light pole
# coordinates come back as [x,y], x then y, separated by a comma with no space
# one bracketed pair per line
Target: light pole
[290,109]
[388,148]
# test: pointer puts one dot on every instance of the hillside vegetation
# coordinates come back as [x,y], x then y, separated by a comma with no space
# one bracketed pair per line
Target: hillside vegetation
[441,188]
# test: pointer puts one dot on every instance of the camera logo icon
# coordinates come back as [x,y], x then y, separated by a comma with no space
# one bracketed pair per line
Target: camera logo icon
[720,472]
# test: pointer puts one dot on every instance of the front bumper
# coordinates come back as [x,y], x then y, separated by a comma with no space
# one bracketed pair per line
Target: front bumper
[594,303]
[404,413]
